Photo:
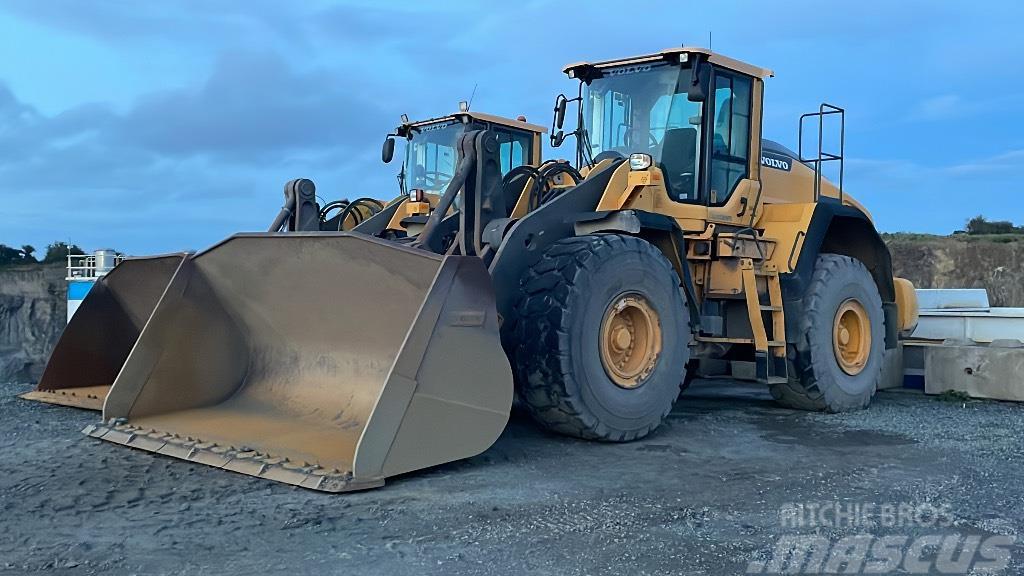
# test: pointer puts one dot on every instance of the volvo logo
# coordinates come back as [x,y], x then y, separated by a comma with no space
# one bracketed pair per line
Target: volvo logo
[437,126]
[628,70]
[776,161]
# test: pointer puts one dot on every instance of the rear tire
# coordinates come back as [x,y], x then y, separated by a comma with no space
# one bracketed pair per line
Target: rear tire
[825,375]
[582,295]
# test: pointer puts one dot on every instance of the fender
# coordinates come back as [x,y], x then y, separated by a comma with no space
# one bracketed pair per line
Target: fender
[839,229]
[660,230]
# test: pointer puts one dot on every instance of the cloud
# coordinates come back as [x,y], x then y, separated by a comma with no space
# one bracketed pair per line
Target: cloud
[942,107]
[254,108]
[911,172]
[14,115]
[1004,162]
[221,150]
[193,21]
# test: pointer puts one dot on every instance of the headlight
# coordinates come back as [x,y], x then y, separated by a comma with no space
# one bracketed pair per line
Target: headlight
[640,161]
[416,195]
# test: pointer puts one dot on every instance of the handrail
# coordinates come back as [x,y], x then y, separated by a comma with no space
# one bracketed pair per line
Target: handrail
[85,266]
[825,109]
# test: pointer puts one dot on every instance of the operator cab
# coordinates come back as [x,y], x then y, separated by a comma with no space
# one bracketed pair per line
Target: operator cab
[687,111]
[431,153]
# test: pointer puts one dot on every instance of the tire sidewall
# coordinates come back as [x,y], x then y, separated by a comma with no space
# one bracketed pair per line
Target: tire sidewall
[647,273]
[841,390]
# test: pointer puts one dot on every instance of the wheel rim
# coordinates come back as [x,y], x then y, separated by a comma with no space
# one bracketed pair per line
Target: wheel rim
[851,337]
[630,340]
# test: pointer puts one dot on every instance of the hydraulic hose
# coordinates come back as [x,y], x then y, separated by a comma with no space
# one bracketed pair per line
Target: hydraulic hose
[352,208]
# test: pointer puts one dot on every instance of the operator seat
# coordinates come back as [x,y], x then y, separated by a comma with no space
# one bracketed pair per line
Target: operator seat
[720,148]
[679,162]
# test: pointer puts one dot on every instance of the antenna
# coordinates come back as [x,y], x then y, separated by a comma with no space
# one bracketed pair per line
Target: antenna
[709,39]
[470,103]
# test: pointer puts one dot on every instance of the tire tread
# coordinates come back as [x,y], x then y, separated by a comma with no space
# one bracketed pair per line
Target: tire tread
[545,377]
[803,389]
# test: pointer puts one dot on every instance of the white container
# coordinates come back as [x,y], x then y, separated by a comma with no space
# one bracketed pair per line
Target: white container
[964,314]
[106,259]
[952,298]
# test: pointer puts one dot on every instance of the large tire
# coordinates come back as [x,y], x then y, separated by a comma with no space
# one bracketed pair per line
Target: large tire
[566,301]
[818,380]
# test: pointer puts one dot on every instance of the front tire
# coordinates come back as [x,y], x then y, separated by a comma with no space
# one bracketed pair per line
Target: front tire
[837,361]
[602,338]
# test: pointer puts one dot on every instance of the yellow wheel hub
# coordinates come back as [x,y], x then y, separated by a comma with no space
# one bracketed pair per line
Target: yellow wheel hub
[851,337]
[630,340]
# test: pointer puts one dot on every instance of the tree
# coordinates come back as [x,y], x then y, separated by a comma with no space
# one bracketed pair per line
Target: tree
[26,254]
[10,255]
[58,252]
[979,225]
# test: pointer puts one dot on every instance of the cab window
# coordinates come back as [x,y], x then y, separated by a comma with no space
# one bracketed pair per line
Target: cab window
[675,126]
[731,137]
[612,113]
[514,148]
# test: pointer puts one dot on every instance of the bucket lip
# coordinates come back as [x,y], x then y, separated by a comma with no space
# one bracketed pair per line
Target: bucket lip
[239,459]
[182,254]
[293,236]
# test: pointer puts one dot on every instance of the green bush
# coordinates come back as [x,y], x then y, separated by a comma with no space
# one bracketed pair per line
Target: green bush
[979,225]
[10,256]
[58,252]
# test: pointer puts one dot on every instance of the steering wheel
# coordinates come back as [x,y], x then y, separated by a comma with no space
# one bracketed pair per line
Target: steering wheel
[682,185]
[609,155]
[431,177]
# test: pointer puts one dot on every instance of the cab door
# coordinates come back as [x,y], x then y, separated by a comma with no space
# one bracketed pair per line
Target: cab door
[733,147]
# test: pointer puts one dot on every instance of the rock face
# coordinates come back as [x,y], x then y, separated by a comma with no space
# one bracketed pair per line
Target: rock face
[952,262]
[33,312]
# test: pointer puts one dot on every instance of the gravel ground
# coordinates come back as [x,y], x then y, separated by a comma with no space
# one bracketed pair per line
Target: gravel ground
[703,495]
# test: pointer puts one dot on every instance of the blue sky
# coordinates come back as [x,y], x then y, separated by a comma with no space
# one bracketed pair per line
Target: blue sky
[162,126]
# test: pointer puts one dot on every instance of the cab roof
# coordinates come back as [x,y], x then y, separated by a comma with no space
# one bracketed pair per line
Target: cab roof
[672,54]
[471,115]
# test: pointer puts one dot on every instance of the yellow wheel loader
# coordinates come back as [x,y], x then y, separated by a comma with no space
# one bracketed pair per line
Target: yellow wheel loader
[686,245]
[431,156]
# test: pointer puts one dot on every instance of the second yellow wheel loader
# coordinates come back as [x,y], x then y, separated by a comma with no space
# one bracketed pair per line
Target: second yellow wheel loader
[431,156]
[687,246]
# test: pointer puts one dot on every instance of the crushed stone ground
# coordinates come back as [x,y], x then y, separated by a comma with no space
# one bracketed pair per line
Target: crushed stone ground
[700,496]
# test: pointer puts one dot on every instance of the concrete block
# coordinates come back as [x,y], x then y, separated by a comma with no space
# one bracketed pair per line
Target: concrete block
[892,368]
[994,372]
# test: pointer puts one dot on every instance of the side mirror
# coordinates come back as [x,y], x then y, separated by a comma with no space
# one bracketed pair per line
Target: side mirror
[560,103]
[388,152]
[557,138]
[697,91]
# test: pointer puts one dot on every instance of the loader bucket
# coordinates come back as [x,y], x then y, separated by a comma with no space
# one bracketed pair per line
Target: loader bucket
[325,360]
[102,332]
